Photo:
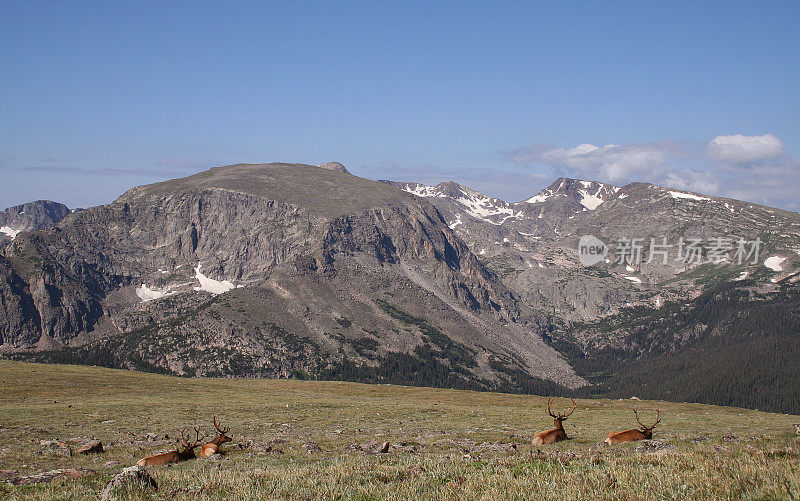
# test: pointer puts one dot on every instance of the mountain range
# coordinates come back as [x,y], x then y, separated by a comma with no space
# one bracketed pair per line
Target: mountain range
[293,270]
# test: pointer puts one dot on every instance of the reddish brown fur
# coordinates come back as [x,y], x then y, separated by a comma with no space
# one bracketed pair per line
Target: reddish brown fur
[644,433]
[212,447]
[555,435]
[183,452]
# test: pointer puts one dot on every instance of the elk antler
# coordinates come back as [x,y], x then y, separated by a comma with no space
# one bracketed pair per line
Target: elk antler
[184,440]
[573,408]
[658,419]
[548,408]
[637,418]
[222,431]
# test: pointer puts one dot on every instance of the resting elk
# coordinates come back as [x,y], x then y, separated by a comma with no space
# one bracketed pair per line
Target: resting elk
[645,432]
[212,447]
[183,451]
[556,435]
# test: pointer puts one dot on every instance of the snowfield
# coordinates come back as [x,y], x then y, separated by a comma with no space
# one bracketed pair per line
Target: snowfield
[211,285]
[678,194]
[146,294]
[9,231]
[774,263]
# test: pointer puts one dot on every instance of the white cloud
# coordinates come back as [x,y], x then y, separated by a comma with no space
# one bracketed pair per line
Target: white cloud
[741,149]
[691,180]
[612,163]
[752,168]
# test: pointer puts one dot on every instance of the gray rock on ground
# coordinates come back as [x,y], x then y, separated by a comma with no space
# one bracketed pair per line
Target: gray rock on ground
[131,479]
[48,476]
[91,447]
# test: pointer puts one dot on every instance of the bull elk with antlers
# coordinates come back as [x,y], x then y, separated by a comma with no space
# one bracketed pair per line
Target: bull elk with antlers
[644,432]
[555,435]
[183,451]
[212,447]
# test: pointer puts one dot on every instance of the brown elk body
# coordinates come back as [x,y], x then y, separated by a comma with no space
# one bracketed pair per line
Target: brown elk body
[557,434]
[211,448]
[643,433]
[183,452]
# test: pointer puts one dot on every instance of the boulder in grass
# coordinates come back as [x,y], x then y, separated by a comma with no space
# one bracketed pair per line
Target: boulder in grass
[375,447]
[91,447]
[54,448]
[130,480]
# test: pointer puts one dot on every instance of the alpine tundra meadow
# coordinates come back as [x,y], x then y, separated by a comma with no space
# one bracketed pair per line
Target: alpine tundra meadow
[399,250]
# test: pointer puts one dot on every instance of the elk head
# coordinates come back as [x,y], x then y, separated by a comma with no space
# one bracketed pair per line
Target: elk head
[212,447]
[183,450]
[647,431]
[643,433]
[556,435]
[222,433]
[558,419]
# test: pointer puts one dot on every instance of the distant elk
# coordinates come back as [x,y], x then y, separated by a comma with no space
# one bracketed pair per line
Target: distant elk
[555,435]
[183,451]
[211,448]
[644,432]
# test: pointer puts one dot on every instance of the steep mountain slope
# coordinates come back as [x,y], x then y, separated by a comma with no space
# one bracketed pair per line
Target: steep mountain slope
[271,270]
[533,244]
[624,323]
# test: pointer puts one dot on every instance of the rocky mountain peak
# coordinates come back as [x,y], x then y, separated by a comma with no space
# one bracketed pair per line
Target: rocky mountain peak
[30,216]
[334,166]
[590,194]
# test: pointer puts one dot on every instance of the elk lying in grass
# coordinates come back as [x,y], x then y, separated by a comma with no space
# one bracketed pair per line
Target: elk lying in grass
[211,448]
[556,435]
[644,432]
[183,451]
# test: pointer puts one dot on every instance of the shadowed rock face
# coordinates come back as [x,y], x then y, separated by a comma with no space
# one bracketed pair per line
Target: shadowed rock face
[267,270]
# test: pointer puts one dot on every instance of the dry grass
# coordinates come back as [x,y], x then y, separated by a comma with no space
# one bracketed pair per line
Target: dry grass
[462,440]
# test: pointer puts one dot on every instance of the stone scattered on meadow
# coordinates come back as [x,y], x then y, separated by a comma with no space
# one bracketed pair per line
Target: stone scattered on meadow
[653,446]
[54,448]
[311,447]
[91,447]
[729,437]
[48,476]
[131,479]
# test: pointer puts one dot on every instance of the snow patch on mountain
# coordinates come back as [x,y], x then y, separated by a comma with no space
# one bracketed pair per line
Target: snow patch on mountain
[209,284]
[537,199]
[9,231]
[689,196]
[146,294]
[591,202]
[590,194]
[422,190]
[476,204]
[774,263]
[482,207]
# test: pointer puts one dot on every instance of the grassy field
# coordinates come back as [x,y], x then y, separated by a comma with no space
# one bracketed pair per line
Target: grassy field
[293,439]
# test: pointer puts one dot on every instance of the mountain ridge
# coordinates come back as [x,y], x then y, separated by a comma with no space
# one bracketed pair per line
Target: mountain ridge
[295,270]
[263,235]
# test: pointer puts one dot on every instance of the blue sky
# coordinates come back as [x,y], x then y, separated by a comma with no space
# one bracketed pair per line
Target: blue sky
[96,97]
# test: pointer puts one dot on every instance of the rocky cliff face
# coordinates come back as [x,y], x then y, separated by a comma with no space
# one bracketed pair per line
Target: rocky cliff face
[269,270]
